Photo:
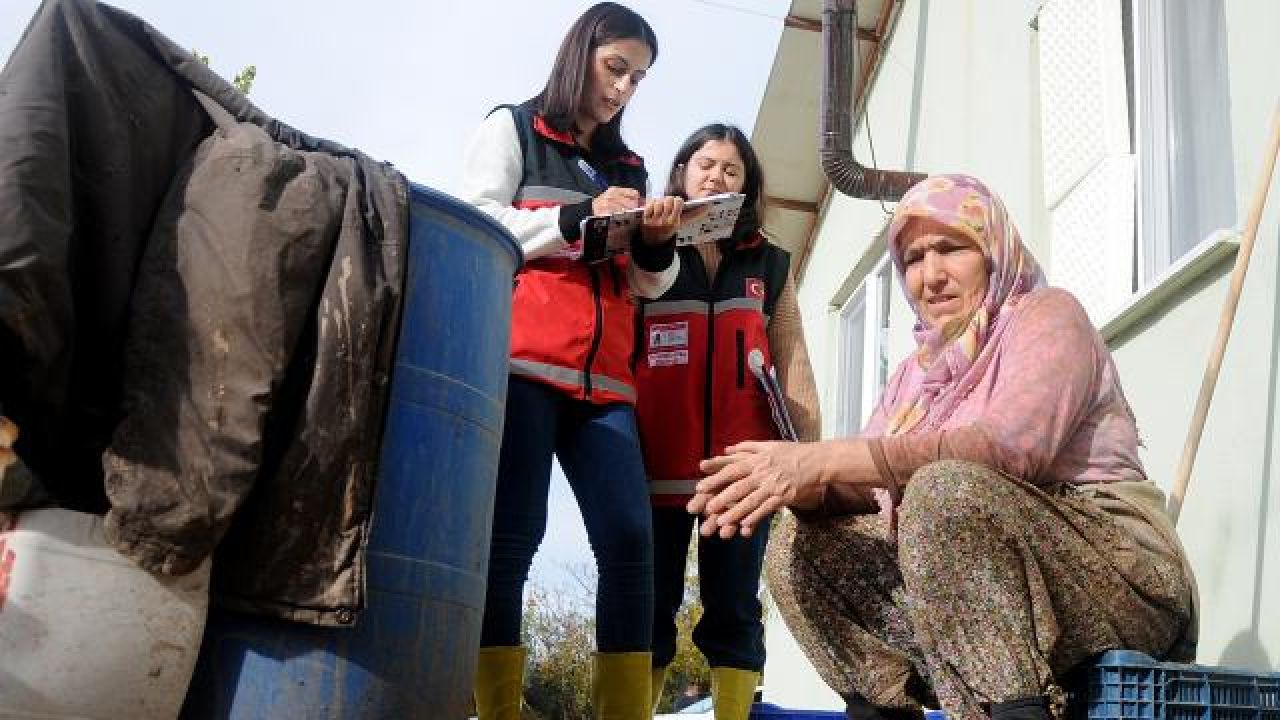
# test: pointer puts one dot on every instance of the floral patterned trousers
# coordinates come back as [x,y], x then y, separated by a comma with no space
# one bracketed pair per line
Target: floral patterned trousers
[994,588]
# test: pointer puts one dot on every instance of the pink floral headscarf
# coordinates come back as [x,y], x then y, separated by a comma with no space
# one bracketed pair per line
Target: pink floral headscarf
[953,357]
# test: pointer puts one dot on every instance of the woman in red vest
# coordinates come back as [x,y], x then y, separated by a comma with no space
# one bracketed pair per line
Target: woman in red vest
[539,168]
[731,313]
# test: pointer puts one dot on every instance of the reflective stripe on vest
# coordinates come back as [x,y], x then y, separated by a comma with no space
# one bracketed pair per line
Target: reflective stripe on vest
[755,304]
[672,487]
[674,307]
[697,307]
[572,377]
[547,194]
[681,307]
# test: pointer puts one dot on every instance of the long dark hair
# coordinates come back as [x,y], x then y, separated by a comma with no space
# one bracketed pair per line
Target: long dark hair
[753,206]
[561,99]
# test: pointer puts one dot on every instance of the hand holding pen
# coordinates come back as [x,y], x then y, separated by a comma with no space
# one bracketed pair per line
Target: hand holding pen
[610,199]
[661,216]
[615,200]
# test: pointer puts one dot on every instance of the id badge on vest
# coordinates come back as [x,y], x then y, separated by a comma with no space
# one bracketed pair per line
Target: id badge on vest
[669,344]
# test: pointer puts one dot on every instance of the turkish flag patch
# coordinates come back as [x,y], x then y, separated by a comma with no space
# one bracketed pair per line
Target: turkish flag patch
[755,288]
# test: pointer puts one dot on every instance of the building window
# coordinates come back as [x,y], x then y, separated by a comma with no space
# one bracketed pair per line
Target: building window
[1182,138]
[863,366]
[1136,140]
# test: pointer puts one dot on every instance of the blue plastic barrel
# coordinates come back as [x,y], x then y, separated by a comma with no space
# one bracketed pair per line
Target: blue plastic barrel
[412,652]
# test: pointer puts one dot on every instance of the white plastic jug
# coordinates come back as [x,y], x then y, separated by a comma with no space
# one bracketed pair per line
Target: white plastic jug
[85,633]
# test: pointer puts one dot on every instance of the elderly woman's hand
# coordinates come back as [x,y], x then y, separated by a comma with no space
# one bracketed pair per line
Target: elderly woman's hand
[751,481]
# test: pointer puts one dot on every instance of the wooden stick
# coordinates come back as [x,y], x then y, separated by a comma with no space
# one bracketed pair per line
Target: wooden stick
[1183,476]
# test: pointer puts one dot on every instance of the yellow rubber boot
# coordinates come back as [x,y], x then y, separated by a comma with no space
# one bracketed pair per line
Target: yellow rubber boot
[657,681]
[620,686]
[733,691]
[499,684]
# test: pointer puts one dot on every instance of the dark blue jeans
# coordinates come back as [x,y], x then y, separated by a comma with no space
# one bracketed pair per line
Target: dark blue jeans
[731,631]
[599,451]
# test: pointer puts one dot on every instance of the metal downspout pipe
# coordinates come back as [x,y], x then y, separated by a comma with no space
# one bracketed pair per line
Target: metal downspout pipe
[835,149]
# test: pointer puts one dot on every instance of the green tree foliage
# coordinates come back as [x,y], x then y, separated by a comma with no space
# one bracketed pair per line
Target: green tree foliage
[559,632]
[243,79]
[688,667]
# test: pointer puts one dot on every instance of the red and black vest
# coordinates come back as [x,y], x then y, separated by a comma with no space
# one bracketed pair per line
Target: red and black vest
[697,394]
[572,323]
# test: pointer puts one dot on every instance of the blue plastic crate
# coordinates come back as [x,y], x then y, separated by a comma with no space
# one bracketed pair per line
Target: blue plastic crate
[769,711]
[1128,685]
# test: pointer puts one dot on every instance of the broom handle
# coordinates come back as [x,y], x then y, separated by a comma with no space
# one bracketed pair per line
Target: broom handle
[1183,476]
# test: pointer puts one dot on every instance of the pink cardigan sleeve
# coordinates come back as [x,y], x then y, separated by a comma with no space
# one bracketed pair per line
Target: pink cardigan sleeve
[1041,386]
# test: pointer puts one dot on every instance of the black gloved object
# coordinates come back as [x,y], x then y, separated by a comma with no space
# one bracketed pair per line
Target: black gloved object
[859,708]
[1035,707]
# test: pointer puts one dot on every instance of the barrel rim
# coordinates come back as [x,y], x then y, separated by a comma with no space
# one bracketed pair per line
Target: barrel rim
[443,201]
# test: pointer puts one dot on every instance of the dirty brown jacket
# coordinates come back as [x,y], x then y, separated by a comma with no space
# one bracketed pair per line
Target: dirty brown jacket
[198,308]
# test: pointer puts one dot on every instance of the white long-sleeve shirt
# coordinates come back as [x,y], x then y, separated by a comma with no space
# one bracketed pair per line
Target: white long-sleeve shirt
[492,169]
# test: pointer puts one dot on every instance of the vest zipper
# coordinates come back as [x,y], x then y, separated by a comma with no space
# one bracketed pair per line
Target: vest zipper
[706,416]
[742,357]
[712,284]
[597,332]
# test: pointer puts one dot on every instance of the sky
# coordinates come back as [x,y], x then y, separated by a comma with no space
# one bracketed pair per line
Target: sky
[407,81]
